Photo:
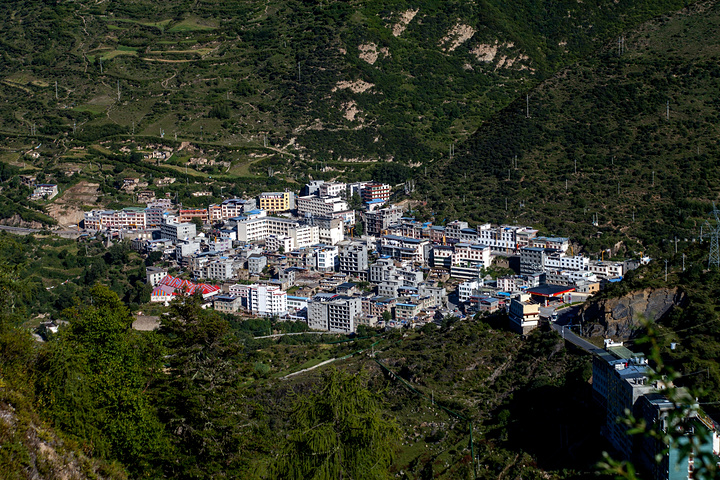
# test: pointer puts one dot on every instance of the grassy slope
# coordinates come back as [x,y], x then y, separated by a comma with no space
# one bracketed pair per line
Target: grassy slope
[608,114]
[485,374]
[175,60]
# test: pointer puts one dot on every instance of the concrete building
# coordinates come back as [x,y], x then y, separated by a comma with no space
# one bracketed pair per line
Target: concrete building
[524,314]
[327,259]
[153,275]
[45,190]
[332,189]
[227,303]
[256,264]
[380,220]
[468,288]
[177,231]
[331,230]
[221,269]
[320,206]
[266,300]
[185,248]
[260,228]
[353,258]
[532,259]
[276,202]
[404,248]
[334,314]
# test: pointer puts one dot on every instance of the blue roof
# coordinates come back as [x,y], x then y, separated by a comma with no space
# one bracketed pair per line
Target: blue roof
[377,200]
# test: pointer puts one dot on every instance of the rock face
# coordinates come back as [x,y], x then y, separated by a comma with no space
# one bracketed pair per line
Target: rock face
[620,317]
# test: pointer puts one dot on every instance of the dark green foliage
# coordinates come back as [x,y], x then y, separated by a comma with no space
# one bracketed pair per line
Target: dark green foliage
[339,431]
[647,178]
[93,381]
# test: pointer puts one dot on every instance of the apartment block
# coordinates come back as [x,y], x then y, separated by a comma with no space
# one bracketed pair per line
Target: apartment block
[375,191]
[266,300]
[404,248]
[380,220]
[153,275]
[524,314]
[177,231]
[353,258]
[276,202]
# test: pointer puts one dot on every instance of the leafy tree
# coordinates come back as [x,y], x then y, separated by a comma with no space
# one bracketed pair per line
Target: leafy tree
[339,432]
[215,432]
[93,380]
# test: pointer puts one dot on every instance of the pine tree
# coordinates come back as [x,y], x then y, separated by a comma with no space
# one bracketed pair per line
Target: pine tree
[339,433]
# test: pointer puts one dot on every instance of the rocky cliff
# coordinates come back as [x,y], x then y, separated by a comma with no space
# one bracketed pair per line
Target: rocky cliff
[620,317]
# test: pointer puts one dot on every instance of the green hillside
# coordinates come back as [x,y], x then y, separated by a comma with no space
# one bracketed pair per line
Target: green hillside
[647,176]
[358,80]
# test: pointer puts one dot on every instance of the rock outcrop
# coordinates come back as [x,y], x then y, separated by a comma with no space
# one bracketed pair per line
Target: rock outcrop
[620,317]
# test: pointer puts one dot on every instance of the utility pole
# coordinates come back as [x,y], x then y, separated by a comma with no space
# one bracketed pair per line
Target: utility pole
[576,166]
[667,110]
[683,262]
[666,263]
[527,105]
[75,125]
[675,244]
[101,69]
[56,93]
[118,85]
[653,178]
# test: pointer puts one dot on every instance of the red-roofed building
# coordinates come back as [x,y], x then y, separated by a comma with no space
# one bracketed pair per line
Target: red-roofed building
[171,287]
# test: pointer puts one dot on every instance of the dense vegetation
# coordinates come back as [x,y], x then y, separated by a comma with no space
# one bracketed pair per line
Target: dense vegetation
[599,143]
[241,72]
[200,397]
[694,328]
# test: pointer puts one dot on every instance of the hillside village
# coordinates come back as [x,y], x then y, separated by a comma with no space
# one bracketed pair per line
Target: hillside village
[315,258]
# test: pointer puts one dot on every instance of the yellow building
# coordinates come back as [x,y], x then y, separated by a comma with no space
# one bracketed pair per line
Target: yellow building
[273,202]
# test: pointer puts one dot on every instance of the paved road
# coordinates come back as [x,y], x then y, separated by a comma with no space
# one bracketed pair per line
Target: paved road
[28,231]
[297,333]
[18,230]
[565,332]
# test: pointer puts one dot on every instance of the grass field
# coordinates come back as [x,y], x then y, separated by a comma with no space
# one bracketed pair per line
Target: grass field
[190,25]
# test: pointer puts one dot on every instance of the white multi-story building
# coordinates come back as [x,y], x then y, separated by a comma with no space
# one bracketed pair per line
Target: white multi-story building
[45,190]
[404,248]
[560,261]
[468,289]
[471,253]
[258,229]
[178,231]
[320,206]
[506,238]
[557,243]
[327,259]
[607,269]
[220,269]
[129,219]
[524,314]
[332,189]
[153,275]
[266,300]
